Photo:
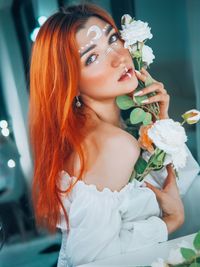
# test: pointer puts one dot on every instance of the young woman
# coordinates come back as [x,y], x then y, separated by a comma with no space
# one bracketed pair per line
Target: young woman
[83,157]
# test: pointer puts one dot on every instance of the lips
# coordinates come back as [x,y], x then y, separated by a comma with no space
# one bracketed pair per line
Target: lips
[127,74]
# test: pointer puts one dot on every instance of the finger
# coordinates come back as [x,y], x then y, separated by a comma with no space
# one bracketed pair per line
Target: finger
[171,177]
[155,87]
[170,168]
[171,172]
[157,191]
[140,76]
[156,98]
[145,72]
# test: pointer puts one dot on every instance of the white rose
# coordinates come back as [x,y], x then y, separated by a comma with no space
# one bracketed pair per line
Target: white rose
[147,54]
[170,137]
[159,263]
[175,256]
[179,161]
[136,31]
[126,19]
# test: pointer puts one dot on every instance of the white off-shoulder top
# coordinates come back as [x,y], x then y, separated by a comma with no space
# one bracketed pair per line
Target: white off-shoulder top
[105,223]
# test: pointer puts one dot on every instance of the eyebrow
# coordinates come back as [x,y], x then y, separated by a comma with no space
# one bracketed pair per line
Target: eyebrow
[108,30]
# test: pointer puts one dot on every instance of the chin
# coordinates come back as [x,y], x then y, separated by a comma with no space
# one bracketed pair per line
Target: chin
[131,87]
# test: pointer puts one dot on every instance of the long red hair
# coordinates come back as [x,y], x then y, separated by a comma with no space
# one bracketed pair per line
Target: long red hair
[57,126]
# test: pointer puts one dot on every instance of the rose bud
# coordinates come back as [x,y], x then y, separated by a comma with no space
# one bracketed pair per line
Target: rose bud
[191,116]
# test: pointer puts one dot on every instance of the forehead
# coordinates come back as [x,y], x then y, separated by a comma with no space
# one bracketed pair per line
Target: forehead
[82,35]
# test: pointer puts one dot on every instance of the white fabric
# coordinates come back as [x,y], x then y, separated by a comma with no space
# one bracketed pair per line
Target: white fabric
[106,223]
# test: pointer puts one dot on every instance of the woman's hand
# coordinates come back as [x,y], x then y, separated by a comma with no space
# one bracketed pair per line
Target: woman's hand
[161,94]
[170,201]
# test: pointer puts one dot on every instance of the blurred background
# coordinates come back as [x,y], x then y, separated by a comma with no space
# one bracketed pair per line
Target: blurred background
[175,27]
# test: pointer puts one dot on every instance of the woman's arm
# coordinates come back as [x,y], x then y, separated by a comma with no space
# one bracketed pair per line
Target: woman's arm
[168,198]
[170,201]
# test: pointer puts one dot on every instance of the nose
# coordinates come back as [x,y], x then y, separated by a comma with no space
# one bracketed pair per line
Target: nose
[117,58]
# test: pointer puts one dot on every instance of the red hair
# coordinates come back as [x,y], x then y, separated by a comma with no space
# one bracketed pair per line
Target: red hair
[57,127]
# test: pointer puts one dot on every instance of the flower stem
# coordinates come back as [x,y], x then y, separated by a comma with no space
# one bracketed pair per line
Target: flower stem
[150,168]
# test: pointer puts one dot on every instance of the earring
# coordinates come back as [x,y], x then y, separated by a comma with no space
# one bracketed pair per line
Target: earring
[78,103]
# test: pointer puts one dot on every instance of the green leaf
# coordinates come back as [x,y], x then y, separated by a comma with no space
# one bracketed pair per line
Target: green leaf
[198,259]
[148,119]
[188,253]
[124,102]
[138,99]
[153,158]
[181,265]
[194,264]
[137,54]
[196,241]
[157,168]
[137,115]
[140,165]
[159,158]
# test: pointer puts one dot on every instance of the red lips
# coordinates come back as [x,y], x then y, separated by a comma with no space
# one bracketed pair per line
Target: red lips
[126,75]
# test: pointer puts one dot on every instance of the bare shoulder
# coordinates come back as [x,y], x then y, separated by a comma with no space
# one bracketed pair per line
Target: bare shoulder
[122,140]
[111,154]
[117,154]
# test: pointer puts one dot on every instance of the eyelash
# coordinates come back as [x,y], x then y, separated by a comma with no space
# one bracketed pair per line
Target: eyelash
[88,62]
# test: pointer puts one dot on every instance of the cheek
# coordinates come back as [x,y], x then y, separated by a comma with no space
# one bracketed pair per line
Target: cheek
[95,80]
[128,55]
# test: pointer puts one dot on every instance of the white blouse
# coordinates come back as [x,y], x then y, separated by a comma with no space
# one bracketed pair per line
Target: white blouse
[106,223]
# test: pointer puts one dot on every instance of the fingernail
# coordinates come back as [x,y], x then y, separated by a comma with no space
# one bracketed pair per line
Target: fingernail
[137,72]
[145,101]
[138,93]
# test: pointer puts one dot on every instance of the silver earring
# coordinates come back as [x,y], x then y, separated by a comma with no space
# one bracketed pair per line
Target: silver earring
[78,103]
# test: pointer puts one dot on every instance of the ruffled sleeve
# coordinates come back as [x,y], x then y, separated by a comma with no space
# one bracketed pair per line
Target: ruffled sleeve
[95,224]
[141,224]
[108,223]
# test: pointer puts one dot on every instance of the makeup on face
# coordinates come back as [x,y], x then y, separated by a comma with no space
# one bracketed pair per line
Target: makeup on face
[98,34]
[92,52]
[107,68]
[126,75]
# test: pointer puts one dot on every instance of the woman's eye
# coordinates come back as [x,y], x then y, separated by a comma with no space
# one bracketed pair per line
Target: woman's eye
[114,37]
[90,59]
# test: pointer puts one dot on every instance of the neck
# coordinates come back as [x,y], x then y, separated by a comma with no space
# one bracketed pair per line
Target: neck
[106,111]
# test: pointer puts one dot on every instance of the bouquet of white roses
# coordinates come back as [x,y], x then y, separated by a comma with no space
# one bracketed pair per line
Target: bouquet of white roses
[162,140]
[135,34]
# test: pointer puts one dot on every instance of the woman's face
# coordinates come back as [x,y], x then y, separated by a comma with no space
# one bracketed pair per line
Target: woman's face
[107,69]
